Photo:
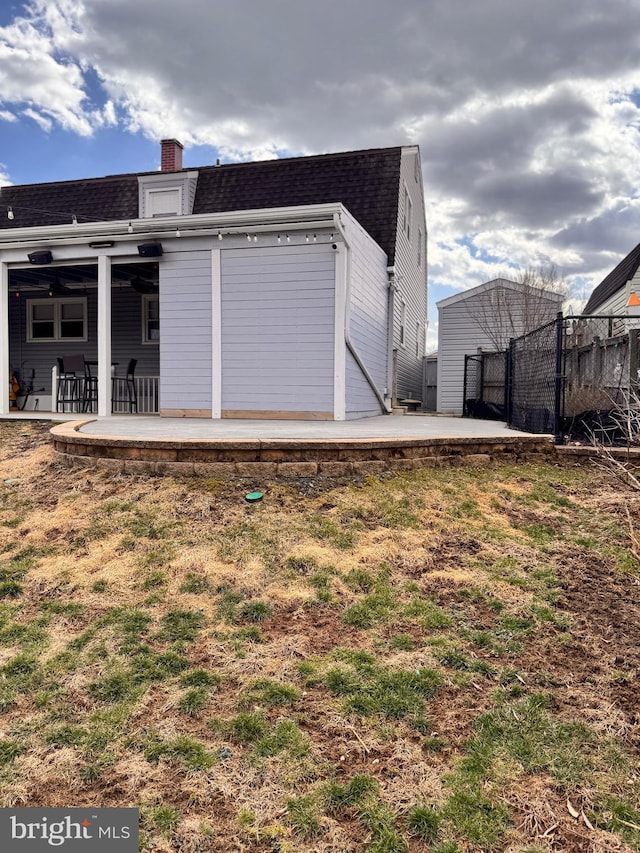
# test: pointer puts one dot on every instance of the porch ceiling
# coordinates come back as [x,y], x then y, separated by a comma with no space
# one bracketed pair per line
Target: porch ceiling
[80,276]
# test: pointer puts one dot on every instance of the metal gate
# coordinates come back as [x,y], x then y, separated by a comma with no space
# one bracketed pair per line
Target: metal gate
[485,386]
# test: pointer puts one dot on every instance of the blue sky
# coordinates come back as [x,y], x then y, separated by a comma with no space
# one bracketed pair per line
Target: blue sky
[527,114]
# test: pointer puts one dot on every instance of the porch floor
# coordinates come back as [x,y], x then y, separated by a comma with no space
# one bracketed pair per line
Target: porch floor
[264,448]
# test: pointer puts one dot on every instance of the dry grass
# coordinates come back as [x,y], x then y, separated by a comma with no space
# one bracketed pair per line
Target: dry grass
[466,640]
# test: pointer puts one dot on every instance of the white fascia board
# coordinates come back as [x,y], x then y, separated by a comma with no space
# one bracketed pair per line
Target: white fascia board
[260,219]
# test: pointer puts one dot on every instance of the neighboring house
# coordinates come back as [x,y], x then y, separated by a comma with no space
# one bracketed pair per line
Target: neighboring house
[291,288]
[612,294]
[484,318]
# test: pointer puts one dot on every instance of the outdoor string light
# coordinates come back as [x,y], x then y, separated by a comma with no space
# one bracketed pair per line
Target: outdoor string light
[74,217]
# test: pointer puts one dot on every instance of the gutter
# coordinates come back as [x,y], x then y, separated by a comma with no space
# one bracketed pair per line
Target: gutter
[227,223]
[349,343]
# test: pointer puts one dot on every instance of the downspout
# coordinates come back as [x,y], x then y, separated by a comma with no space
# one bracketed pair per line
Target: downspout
[380,397]
[391,309]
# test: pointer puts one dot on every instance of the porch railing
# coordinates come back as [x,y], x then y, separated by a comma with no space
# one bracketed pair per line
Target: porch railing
[146,389]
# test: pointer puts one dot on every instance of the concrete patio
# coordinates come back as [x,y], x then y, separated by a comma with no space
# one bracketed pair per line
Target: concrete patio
[282,448]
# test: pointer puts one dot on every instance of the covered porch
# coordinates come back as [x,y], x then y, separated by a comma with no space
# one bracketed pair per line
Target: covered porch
[52,315]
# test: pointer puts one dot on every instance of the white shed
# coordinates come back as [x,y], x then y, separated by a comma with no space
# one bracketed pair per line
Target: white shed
[484,318]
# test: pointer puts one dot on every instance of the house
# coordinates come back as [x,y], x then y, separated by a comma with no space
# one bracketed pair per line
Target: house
[485,318]
[291,288]
[612,294]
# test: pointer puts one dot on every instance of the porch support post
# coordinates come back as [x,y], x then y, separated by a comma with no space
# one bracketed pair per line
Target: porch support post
[341,267]
[104,336]
[216,331]
[4,338]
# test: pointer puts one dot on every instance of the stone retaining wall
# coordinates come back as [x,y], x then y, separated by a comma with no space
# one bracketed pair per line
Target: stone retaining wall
[270,458]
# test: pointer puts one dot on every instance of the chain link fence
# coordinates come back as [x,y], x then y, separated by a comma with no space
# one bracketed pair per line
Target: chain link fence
[566,378]
[532,385]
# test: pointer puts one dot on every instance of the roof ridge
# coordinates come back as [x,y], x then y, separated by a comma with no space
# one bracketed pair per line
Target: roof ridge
[240,163]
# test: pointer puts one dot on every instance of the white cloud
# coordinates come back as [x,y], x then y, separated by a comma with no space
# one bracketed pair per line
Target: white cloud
[527,114]
[32,73]
[45,123]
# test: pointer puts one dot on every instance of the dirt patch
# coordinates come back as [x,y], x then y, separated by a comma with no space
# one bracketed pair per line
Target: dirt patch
[605,608]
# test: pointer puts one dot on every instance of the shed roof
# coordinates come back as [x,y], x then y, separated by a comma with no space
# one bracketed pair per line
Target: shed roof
[366,182]
[502,283]
[614,281]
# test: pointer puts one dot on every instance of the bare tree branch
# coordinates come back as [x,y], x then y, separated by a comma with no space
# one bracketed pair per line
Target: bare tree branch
[520,305]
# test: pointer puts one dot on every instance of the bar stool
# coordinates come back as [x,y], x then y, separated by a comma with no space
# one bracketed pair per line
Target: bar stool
[123,389]
[90,391]
[70,384]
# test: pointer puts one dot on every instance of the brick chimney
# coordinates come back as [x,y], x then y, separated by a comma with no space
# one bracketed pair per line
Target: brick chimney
[171,155]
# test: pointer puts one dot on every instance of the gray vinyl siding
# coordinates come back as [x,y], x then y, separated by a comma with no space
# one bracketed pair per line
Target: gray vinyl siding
[411,279]
[126,337]
[185,330]
[458,335]
[278,319]
[367,323]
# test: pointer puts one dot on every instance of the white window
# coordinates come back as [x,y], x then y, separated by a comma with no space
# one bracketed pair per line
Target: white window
[419,247]
[150,319]
[403,322]
[406,216]
[164,202]
[57,319]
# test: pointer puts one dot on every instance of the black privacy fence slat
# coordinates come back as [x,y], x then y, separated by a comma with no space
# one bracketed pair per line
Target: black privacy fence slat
[569,378]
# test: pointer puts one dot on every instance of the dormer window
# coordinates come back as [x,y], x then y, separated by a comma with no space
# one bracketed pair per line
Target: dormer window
[166,194]
[165,202]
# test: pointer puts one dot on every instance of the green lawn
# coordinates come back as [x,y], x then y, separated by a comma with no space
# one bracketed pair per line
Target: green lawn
[434,661]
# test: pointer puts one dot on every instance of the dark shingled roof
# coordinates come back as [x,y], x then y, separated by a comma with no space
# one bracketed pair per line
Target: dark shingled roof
[93,199]
[616,279]
[366,182]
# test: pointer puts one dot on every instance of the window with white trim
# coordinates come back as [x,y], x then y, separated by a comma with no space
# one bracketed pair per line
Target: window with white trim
[419,247]
[403,323]
[164,202]
[150,319]
[57,319]
[406,216]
